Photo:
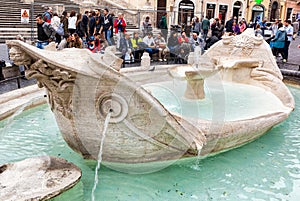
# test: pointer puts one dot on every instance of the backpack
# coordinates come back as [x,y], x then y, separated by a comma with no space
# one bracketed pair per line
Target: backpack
[160,24]
[60,30]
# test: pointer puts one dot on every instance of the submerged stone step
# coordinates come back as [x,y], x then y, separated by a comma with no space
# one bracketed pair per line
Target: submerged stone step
[37,178]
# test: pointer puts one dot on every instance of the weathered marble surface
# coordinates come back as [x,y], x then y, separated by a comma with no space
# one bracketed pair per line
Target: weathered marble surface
[38,178]
[83,87]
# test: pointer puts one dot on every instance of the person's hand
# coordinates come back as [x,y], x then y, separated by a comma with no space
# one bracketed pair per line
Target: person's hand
[298,46]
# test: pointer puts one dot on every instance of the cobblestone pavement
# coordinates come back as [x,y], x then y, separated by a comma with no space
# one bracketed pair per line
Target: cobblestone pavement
[292,64]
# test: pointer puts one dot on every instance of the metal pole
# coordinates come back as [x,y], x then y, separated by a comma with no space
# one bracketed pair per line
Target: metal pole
[139,20]
[32,21]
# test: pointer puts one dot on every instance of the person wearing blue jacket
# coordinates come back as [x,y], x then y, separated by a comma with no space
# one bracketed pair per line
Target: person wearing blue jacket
[279,41]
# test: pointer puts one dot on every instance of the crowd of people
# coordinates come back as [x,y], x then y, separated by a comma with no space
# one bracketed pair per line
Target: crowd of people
[95,30]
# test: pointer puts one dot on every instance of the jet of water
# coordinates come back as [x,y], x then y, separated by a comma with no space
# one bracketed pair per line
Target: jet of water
[99,159]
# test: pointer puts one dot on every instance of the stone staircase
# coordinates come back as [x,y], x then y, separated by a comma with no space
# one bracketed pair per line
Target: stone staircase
[10,12]
[10,20]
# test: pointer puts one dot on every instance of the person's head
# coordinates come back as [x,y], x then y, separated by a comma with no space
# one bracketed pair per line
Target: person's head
[97,35]
[49,9]
[120,15]
[159,35]
[39,19]
[280,25]
[86,12]
[65,13]
[147,18]
[72,13]
[127,36]
[183,34]
[194,35]
[233,23]
[92,13]
[55,14]
[276,21]
[287,22]
[197,19]
[97,11]
[174,34]
[150,35]
[19,37]
[79,16]
[105,11]
[68,37]
[257,26]
[135,34]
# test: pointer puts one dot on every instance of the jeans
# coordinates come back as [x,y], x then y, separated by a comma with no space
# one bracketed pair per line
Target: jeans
[42,44]
[286,50]
[107,36]
[151,51]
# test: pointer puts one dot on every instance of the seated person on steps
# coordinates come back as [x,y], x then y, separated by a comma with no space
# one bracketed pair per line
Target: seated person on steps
[126,49]
[151,47]
[161,45]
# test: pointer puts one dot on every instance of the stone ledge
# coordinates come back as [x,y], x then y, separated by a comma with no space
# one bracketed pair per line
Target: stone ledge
[27,97]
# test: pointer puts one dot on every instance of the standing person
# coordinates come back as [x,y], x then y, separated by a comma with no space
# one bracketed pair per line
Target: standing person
[196,26]
[85,22]
[64,20]
[163,25]
[228,25]
[205,27]
[72,22]
[107,26]
[215,28]
[147,27]
[47,16]
[279,41]
[289,32]
[55,22]
[120,28]
[80,30]
[258,31]
[98,19]
[45,31]
[92,24]
[296,29]
[274,28]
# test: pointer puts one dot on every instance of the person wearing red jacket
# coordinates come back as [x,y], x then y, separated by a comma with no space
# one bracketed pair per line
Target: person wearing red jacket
[120,28]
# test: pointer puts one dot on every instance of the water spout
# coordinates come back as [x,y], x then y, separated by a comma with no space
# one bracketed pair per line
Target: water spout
[99,159]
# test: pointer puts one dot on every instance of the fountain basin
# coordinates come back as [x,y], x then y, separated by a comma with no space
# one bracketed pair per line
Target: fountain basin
[141,129]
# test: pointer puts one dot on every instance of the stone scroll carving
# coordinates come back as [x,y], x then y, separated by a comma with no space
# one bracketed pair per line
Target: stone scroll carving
[58,82]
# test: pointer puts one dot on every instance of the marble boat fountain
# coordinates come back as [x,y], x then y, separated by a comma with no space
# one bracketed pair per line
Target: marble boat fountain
[84,87]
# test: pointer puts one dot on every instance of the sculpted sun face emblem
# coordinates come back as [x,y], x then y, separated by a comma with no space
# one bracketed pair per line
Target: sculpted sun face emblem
[243,45]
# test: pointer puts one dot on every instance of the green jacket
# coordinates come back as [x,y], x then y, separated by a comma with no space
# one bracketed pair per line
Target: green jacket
[164,19]
[205,24]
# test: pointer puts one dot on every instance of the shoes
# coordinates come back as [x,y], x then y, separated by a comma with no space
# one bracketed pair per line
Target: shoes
[160,60]
[165,59]
[284,60]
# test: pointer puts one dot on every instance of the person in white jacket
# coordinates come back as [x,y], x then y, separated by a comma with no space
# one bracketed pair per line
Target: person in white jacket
[55,22]
[72,22]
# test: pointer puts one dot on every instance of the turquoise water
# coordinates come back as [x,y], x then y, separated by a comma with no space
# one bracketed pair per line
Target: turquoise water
[266,169]
[249,102]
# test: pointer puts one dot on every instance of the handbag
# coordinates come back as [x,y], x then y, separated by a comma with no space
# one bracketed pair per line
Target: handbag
[60,30]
